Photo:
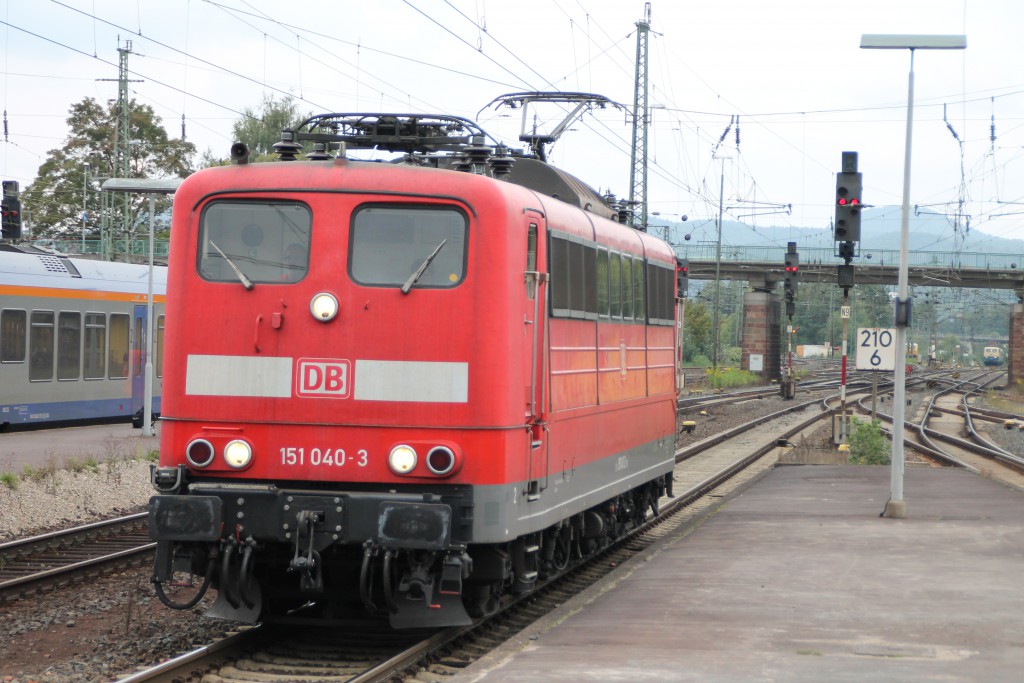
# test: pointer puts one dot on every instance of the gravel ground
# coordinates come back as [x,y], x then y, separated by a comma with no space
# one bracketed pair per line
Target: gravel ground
[97,631]
[105,629]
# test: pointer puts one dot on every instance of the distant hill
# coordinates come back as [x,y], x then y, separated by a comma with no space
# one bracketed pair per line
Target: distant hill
[880,229]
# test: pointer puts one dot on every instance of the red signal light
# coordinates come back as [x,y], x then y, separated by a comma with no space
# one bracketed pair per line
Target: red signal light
[855,201]
[842,201]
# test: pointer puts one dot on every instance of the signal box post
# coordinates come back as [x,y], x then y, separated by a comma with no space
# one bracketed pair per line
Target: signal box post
[788,386]
[849,202]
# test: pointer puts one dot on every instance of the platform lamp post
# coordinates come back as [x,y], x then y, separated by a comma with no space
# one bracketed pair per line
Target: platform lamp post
[152,188]
[85,201]
[897,507]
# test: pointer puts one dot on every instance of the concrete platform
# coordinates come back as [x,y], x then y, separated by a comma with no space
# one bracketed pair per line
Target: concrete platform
[43,447]
[799,579]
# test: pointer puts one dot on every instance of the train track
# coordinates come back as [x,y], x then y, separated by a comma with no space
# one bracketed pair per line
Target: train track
[300,651]
[707,471]
[60,557]
[944,442]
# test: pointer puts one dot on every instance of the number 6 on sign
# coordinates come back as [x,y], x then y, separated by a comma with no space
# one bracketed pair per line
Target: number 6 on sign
[876,348]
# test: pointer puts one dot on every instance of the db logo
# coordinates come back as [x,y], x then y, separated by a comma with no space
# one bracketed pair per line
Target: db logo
[323,377]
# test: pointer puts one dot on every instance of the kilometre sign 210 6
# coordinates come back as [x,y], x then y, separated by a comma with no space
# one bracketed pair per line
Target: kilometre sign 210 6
[876,348]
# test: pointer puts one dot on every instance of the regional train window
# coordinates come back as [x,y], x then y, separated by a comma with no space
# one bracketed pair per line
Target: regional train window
[389,244]
[138,344]
[40,342]
[267,242]
[117,358]
[12,336]
[95,345]
[69,345]
[159,346]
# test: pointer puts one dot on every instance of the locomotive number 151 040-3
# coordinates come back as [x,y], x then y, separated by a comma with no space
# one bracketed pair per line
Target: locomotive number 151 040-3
[323,457]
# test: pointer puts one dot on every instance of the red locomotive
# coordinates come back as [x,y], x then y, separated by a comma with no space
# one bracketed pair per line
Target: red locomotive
[418,386]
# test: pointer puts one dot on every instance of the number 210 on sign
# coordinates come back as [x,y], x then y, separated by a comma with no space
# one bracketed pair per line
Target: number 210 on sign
[876,348]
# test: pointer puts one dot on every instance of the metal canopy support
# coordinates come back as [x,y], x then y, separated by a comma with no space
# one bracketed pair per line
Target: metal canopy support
[151,188]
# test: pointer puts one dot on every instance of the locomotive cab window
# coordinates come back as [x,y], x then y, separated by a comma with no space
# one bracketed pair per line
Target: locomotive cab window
[390,245]
[256,242]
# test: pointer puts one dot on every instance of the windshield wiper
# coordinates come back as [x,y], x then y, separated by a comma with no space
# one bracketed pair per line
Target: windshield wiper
[246,282]
[414,278]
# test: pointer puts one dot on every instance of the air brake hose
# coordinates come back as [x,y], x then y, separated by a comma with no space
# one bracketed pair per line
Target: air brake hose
[158,585]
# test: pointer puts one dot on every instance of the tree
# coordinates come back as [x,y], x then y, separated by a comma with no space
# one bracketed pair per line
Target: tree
[262,127]
[55,198]
[697,334]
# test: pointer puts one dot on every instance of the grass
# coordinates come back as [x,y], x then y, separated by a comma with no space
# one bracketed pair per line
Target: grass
[1007,401]
[44,474]
[730,378]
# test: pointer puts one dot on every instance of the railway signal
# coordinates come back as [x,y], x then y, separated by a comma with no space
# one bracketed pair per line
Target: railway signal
[10,225]
[682,277]
[792,276]
[848,200]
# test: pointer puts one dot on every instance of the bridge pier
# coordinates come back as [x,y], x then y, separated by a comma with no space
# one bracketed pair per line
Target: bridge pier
[762,334]
[1015,361]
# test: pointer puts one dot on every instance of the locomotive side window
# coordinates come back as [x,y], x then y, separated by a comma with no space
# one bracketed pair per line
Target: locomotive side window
[638,290]
[615,284]
[389,244]
[117,359]
[12,336]
[69,345]
[95,345]
[574,268]
[40,341]
[255,242]
[627,287]
[602,283]
[558,264]
[590,282]
[660,294]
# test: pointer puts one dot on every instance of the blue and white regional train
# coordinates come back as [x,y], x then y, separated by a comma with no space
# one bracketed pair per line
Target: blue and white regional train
[993,355]
[73,339]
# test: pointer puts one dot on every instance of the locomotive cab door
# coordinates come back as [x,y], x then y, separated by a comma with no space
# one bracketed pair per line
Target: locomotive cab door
[535,317]
[138,363]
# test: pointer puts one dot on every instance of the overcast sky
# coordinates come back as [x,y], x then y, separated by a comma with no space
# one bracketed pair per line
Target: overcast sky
[790,70]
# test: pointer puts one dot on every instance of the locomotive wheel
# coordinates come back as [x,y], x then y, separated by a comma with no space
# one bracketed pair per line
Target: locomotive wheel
[483,599]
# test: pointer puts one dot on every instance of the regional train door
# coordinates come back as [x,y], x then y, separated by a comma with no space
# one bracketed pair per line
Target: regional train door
[138,368]
[537,361]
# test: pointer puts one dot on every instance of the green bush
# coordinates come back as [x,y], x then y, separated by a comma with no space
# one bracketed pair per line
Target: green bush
[868,446]
[10,480]
[729,378]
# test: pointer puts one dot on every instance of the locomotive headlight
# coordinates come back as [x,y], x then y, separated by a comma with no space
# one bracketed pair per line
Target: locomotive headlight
[323,306]
[199,453]
[402,459]
[237,454]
